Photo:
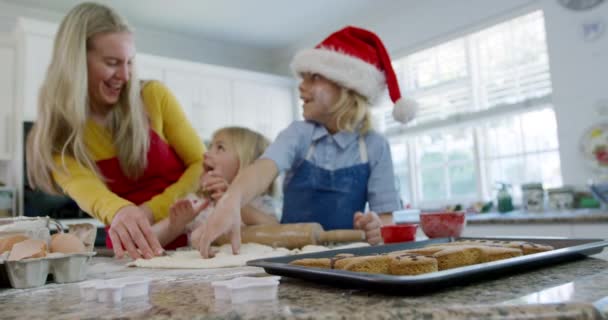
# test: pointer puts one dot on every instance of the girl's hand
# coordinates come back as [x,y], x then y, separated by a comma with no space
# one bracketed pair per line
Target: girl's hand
[370,223]
[183,211]
[214,184]
[225,218]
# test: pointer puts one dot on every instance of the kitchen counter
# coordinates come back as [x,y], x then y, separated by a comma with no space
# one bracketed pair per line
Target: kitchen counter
[574,290]
[523,217]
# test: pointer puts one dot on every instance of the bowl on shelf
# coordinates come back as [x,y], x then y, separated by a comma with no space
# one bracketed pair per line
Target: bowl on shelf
[398,233]
[443,224]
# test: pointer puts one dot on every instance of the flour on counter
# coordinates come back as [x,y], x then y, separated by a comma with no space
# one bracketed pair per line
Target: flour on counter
[191,259]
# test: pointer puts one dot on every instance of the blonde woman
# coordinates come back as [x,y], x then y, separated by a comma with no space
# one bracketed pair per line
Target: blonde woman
[334,163]
[122,152]
[231,150]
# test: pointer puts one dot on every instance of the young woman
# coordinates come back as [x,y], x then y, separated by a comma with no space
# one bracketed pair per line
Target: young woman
[123,152]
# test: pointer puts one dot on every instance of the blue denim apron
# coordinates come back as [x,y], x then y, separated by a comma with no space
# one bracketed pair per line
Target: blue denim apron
[329,197]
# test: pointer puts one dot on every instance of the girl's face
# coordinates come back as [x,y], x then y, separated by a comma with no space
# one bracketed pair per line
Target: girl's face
[318,95]
[109,59]
[222,158]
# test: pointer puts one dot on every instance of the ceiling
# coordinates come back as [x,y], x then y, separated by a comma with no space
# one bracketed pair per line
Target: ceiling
[268,24]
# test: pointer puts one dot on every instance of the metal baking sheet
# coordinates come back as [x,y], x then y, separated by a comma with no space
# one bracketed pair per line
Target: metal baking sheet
[565,250]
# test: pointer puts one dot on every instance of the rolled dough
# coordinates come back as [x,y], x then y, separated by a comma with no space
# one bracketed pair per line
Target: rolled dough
[191,259]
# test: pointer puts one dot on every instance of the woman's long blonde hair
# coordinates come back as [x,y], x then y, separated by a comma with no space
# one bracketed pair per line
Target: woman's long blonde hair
[249,145]
[351,112]
[63,104]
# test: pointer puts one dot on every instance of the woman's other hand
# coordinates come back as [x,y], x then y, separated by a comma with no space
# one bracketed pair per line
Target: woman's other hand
[370,223]
[130,229]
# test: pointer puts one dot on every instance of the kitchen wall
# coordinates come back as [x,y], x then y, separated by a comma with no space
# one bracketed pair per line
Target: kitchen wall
[579,68]
[163,43]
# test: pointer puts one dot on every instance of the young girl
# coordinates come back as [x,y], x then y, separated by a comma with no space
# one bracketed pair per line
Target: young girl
[231,149]
[334,163]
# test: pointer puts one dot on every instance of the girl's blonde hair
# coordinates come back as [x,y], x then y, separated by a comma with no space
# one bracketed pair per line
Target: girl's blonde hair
[63,104]
[249,145]
[352,112]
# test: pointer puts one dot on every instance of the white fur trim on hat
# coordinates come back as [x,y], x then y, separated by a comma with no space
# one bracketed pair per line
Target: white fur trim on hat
[347,71]
[405,110]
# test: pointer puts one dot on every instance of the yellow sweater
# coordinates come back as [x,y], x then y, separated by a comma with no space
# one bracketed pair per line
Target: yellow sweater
[170,123]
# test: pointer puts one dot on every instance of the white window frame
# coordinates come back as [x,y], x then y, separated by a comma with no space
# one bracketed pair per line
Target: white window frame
[484,187]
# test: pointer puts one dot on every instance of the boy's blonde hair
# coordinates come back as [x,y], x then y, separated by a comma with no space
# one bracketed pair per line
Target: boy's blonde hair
[351,112]
[63,104]
[249,145]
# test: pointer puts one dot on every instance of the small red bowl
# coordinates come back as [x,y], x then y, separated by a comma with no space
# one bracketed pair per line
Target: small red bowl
[398,233]
[443,224]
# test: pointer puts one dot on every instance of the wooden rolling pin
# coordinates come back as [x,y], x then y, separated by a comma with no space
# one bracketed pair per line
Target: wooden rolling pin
[294,235]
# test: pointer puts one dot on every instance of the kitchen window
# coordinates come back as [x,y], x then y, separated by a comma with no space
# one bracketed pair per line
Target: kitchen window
[485,116]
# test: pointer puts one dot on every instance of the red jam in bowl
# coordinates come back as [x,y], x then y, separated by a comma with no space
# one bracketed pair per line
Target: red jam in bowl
[443,224]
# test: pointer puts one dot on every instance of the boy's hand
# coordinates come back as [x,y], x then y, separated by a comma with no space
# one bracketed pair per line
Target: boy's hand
[225,218]
[370,223]
[184,211]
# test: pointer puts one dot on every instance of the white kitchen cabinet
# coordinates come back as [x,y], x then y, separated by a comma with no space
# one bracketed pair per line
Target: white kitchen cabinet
[587,230]
[148,69]
[7,88]
[214,107]
[184,87]
[262,107]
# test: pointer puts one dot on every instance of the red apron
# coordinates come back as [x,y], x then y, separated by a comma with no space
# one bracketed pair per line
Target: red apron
[164,168]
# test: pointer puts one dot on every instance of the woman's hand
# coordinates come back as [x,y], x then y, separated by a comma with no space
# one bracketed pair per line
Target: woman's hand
[370,223]
[225,218]
[130,229]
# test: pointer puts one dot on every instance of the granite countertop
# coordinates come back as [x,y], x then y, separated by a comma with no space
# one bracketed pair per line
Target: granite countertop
[522,217]
[573,290]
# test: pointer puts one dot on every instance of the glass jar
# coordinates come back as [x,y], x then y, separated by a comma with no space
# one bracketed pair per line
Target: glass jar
[533,197]
[561,198]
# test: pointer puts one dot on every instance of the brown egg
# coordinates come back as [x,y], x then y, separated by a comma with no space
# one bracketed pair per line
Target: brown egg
[66,243]
[28,249]
[6,243]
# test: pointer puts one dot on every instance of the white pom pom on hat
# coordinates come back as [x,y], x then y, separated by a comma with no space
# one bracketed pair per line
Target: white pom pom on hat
[356,59]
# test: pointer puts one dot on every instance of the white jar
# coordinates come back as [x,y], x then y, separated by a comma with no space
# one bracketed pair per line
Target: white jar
[561,198]
[533,197]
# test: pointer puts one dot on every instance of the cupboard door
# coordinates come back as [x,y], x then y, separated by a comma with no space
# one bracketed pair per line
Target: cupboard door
[282,111]
[183,86]
[214,109]
[38,52]
[7,85]
[250,108]
[266,108]
[147,70]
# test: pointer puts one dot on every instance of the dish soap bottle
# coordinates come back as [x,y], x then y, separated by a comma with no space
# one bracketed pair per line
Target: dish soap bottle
[504,199]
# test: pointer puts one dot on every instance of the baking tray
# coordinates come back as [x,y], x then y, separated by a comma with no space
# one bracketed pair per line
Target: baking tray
[565,250]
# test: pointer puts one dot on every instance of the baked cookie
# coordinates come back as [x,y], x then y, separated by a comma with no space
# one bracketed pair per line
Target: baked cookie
[327,263]
[411,264]
[369,264]
[526,247]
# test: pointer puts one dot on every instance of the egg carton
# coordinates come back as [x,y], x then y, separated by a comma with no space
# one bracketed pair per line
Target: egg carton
[34,272]
[115,290]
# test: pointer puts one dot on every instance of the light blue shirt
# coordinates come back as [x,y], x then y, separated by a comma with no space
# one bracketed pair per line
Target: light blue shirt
[335,152]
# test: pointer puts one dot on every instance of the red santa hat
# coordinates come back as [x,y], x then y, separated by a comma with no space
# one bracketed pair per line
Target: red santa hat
[355,58]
